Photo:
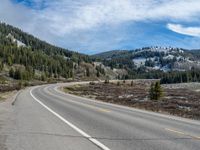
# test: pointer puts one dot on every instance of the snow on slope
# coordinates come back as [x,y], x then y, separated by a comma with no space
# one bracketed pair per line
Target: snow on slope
[173,58]
[19,43]
[139,61]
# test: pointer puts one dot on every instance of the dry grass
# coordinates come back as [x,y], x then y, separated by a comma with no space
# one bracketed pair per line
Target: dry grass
[6,95]
[177,101]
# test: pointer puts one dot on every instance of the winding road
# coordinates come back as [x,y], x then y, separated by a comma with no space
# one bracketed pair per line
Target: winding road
[45,118]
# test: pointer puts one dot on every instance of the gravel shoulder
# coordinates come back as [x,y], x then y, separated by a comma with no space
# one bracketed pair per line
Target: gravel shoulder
[6,108]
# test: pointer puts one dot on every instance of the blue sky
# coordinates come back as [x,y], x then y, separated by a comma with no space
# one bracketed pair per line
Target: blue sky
[93,26]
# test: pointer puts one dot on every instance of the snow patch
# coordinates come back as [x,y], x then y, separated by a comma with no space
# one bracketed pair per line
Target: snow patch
[169,56]
[19,43]
[139,61]
[165,68]
[156,67]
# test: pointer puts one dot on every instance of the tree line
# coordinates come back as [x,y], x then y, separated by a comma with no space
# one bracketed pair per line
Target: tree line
[38,55]
[181,77]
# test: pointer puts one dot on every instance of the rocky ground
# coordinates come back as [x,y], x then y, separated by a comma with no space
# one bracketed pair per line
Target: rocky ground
[179,99]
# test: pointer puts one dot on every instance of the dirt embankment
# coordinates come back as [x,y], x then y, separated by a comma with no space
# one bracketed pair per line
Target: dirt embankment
[177,100]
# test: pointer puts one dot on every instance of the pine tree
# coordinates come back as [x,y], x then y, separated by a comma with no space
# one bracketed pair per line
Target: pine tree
[1,65]
[9,60]
[151,91]
[87,72]
[98,74]
[18,74]
[11,73]
[43,77]
[132,83]
[106,80]
[156,91]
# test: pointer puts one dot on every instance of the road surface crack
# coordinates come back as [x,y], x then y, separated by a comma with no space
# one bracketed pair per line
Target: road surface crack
[95,137]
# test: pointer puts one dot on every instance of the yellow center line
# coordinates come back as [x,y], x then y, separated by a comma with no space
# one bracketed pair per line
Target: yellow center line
[96,108]
[175,131]
[182,133]
[104,110]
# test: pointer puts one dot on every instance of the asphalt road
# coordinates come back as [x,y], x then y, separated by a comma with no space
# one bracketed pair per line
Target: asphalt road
[44,118]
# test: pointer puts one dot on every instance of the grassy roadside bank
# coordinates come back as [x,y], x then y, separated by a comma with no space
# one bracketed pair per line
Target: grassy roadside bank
[5,95]
[8,89]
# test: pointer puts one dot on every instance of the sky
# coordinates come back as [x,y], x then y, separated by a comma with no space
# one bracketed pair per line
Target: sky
[94,26]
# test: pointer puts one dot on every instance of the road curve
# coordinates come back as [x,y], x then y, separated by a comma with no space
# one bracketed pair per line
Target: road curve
[45,118]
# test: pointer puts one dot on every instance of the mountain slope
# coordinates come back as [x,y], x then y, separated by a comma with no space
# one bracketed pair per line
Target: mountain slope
[171,65]
[24,57]
[35,43]
[110,54]
[153,58]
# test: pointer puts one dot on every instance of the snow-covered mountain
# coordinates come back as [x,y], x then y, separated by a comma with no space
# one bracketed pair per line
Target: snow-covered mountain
[155,58]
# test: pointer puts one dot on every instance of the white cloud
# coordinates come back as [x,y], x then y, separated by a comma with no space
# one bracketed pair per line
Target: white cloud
[53,19]
[103,12]
[192,31]
[64,16]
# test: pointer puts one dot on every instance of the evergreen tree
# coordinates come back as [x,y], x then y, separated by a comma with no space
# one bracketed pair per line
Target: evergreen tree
[9,60]
[98,74]
[18,74]
[151,91]
[132,83]
[106,80]
[1,65]
[11,73]
[156,91]
[87,72]
[37,54]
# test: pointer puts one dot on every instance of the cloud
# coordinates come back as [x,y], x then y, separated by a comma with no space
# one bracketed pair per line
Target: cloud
[65,16]
[57,20]
[91,14]
[191,31]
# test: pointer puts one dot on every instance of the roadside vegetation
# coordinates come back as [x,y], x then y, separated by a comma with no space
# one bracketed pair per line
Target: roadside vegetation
[155,92]
[177,99]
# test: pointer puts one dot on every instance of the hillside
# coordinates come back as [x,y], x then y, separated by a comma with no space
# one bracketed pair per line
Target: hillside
[110,54]
[154,62]
[153,58]
[27,58]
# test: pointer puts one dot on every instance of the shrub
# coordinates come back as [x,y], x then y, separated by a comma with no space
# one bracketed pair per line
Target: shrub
[92,83]
[106,81]
[26,83]
[132,83]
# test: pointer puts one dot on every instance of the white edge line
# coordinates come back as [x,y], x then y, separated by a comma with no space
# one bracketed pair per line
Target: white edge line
[93,140]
